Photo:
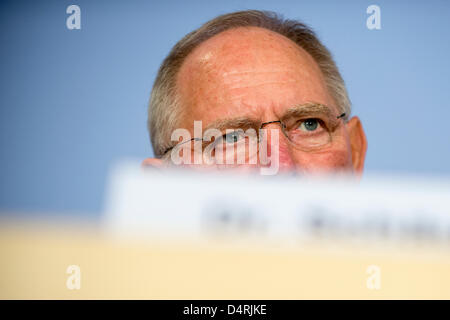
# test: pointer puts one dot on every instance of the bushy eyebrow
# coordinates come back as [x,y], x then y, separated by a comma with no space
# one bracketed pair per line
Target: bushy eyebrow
[234,123]
[310,109]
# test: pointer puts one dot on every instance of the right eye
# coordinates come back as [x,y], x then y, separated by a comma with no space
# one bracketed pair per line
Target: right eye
[232,137]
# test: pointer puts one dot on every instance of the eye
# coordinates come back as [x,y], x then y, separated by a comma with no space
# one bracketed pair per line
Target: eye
[232,137]
[309,124]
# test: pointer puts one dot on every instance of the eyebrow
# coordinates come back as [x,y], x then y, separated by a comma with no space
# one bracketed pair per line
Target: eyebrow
[311,109]
[308,109]
[234,123]
[301,110]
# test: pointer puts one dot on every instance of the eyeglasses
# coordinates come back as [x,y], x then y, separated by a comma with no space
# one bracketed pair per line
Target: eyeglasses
[236,146]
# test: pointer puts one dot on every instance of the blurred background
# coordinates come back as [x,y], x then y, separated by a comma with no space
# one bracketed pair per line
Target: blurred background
[73,102]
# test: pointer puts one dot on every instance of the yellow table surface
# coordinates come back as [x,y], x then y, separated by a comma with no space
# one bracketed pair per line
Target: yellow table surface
[34,259]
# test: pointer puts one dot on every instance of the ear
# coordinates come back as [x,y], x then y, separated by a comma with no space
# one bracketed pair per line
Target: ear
[358,144]
[153,163]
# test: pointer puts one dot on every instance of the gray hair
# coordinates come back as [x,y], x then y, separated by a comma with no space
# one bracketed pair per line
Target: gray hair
[164,110]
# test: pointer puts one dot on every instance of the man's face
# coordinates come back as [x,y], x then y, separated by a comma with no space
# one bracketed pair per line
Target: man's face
[259,75]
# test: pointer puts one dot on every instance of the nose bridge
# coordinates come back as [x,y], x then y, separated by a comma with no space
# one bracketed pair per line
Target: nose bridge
[284,154]
[276,123]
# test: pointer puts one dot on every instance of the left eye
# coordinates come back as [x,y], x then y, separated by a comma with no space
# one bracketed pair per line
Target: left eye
[309,124]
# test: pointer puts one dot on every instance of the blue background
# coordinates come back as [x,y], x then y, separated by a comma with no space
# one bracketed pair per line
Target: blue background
[74,101]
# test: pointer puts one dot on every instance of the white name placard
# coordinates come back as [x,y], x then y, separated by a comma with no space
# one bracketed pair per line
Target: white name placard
[186,204]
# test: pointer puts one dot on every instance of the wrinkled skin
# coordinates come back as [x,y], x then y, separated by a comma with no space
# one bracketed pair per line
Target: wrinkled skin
[256,73]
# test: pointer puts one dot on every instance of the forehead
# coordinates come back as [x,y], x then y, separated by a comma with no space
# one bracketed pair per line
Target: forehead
[250,72]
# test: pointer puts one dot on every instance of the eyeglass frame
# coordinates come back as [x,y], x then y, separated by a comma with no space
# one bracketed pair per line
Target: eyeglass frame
[283,127]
